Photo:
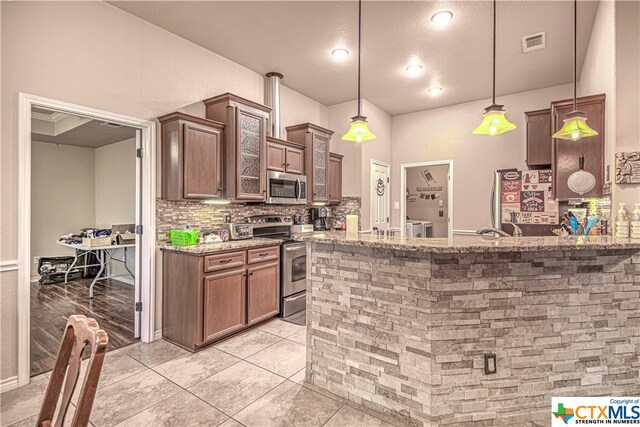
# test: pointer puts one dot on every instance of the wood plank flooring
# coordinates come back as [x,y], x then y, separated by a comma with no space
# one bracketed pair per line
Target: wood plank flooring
[51,305]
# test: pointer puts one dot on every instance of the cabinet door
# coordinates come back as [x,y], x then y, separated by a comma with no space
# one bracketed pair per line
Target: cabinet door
[276,157]
[320,164]
[224,303]
[539,137]
[263,292]
[202,162]
[295,161]
[335,179]
[251,167]
[566,152]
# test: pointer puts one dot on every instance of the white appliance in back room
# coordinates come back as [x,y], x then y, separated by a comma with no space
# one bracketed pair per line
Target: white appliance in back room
[427,201]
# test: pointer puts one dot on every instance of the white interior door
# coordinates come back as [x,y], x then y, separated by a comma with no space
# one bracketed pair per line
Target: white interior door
[380,187]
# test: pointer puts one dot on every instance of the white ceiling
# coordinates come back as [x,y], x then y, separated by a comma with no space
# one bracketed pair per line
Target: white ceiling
[296,38]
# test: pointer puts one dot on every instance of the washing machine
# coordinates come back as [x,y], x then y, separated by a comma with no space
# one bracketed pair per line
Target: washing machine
[414,229]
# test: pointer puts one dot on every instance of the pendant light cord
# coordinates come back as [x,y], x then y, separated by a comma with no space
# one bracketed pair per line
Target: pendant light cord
[575,54]
[359,48]
[494,52]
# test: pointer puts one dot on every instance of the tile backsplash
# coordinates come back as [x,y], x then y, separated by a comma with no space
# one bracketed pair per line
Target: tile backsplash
[206,217]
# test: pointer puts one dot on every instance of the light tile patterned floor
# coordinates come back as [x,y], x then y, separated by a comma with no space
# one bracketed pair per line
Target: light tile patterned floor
[253,379]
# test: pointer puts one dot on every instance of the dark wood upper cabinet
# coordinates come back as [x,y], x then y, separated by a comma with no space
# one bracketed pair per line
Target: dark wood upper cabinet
[565,153]
[285,156]
[539,140]
[191,157]
[245,145]
[316,140]
[335,178]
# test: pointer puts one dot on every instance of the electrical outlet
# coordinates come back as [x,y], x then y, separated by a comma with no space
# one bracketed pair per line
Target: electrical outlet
[396,205]
[441,213]
[490,366]
[36,259]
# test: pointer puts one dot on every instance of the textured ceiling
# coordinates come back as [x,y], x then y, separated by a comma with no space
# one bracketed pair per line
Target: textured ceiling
[296,38]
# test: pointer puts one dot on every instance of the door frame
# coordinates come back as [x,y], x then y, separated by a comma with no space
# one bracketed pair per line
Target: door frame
[146,276]
[371,196]
[403,193]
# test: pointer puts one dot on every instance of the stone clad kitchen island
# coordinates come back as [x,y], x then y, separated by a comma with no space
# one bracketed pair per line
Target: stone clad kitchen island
[402,326]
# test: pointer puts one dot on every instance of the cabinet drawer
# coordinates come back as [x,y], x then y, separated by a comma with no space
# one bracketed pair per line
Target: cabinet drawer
[223,261]
[263,254]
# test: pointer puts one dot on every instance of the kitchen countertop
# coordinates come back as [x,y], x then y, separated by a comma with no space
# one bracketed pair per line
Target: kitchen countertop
[209,248]
[466,244]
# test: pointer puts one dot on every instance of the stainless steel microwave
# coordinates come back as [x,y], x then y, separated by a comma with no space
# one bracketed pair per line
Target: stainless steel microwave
[286,189]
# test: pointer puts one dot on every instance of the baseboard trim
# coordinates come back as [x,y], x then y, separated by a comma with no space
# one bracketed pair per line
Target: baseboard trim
[8,384]
[157,335]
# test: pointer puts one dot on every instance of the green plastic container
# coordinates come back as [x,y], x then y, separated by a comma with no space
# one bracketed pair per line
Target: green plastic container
[184,237]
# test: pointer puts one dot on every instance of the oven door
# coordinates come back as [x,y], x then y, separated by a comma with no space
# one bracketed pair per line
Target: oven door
[294,269]
[286,189]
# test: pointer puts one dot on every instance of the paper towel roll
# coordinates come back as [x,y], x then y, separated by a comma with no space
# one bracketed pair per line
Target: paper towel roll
[352,224]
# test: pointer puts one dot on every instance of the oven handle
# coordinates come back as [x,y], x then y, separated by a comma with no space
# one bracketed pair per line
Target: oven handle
[295,247]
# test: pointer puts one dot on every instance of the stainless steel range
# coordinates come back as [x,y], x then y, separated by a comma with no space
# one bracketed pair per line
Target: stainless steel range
[293,260]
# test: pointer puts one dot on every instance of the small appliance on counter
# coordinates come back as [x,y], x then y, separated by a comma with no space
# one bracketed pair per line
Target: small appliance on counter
[302,228]
[236,231]
[319,218]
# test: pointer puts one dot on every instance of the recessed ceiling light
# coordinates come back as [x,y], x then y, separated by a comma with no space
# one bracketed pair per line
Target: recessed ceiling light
[414,69]
[340,53]
[442,18]
[435,91]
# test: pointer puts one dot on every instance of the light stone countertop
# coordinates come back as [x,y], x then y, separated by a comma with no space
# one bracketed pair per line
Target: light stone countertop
[467,244]
[209,248]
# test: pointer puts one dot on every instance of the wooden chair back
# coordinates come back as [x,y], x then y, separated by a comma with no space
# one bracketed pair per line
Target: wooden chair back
[81,334]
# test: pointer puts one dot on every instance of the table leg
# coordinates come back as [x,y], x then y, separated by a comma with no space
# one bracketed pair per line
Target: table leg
[100,256]
[126,266]
[66,273]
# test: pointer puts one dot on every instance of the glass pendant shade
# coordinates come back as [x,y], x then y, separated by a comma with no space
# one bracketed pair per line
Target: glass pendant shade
[581,181]
[575,127]
[359,130]
[494,122]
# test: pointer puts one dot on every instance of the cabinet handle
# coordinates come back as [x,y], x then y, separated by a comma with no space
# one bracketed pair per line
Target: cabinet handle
[244,274]
[251,274]
[264,254]
[225,261]
[219,188]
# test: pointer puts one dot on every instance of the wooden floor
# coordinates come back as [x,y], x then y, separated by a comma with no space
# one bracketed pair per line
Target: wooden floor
[51,305]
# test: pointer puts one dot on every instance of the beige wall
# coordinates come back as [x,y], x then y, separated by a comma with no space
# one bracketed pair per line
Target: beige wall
[115,184]
[99,56]
[339,118]
[62,196]
[445,133]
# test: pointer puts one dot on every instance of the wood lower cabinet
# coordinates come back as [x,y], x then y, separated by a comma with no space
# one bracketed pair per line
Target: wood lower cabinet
[224,303]
[285,156]
[209,297]
[335,178]
[565,153]
[539,140]
[263,292]
[191,157]
[317,142]
[245,145]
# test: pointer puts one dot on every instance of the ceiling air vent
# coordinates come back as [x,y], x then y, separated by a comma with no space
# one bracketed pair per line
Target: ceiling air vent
[111,125]
[533,42]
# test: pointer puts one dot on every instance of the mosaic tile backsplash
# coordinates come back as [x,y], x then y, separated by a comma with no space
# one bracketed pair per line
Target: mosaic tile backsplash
[206,217]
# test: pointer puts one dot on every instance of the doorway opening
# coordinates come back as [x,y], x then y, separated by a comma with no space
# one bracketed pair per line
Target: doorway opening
[426,208]
[86,237]
[380,186]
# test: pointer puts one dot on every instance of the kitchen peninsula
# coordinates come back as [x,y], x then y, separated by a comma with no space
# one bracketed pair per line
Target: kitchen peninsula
[408,327]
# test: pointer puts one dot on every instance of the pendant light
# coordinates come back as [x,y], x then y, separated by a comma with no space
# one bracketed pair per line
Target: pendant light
[581,181]
[575,123]
[359,131]
[494,121]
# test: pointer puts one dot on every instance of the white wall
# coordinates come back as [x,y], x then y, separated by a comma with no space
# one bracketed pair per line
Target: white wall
[445,133]
[115,195]
[598,70]
[356,167]
[99,56]
[62,196]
